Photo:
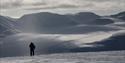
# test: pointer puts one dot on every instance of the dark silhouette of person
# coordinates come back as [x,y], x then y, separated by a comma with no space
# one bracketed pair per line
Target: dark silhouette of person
[32,48]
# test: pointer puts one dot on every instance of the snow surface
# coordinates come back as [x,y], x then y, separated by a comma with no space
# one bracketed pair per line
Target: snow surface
[83,57]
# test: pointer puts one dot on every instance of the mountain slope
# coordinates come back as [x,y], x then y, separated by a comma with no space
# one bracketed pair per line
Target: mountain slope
[45,20]
[8,23]
[51,23]
[84,17]
[89,57]
[40,24]
[102,21]
[120,15]
[115,42]
[6,26]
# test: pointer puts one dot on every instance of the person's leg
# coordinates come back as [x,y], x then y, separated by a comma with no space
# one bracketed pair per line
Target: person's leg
[33,52]
[30,52]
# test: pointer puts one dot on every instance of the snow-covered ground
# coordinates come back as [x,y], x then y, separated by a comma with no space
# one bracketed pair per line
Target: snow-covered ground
[83,57]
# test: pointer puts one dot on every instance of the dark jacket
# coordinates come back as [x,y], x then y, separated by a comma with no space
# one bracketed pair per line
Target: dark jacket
[32,46]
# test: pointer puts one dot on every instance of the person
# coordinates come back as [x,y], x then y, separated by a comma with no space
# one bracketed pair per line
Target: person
[32,48]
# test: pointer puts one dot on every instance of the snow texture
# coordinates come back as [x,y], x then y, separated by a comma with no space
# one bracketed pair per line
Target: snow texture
[84,57]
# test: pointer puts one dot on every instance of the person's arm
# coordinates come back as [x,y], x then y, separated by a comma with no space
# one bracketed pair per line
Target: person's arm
[34,46]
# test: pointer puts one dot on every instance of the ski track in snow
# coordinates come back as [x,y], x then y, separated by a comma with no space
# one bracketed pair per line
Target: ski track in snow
[83,57]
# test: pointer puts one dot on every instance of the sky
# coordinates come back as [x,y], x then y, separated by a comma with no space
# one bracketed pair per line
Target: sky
[17,8]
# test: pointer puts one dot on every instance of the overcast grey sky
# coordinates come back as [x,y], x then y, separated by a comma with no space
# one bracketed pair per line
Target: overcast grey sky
[17,8]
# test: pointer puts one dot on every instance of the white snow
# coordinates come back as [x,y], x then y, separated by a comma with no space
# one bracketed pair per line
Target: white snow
[83,57]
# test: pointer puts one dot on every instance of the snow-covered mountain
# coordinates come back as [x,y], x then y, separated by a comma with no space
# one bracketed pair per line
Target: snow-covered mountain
[42,21]
[102,21]
[6,22]
[115,42]
[6,26]
[84,17]
[51,23]
[46,22]
[54,33]
[120,15]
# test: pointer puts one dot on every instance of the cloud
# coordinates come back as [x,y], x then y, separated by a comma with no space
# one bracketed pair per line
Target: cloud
[24,6]
[62,6]
[8,4]
[5,4]
[57,3]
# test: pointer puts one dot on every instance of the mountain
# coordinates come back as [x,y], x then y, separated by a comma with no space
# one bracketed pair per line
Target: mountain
[116,42]
[35,27]
[51,23]
[113,43]
[45,20]
[84,17]
[6,26]
[4,32]
[101,21]
[7,22]
[120,15]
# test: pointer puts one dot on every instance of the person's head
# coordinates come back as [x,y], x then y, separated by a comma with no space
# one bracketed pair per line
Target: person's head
[31,42]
